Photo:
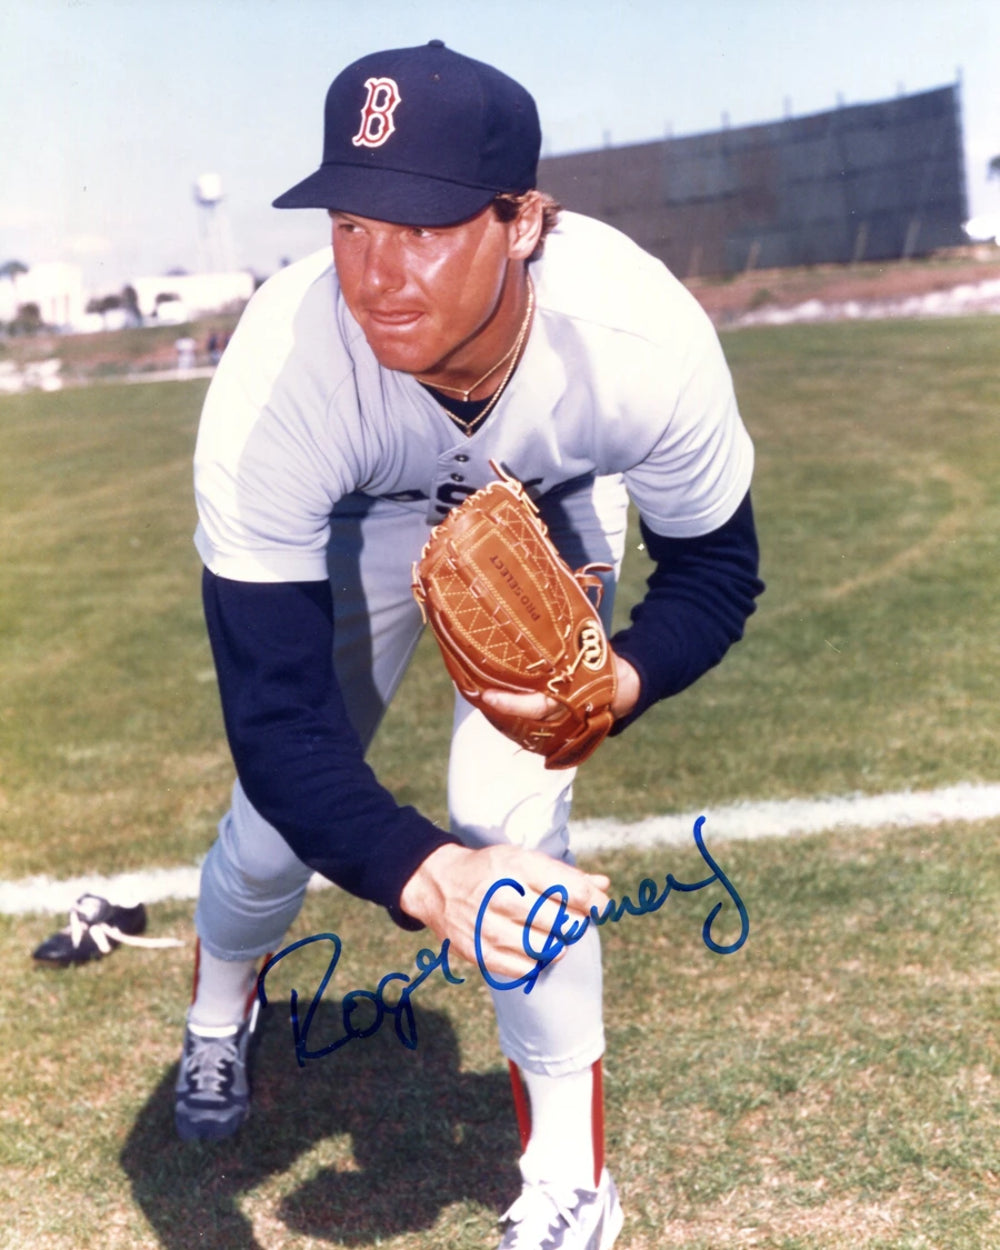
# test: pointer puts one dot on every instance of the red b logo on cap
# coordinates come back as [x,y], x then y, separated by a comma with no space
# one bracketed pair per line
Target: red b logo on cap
[376,113]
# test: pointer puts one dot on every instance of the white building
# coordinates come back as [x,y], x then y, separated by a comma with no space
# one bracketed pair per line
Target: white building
[191,294]
[56,288]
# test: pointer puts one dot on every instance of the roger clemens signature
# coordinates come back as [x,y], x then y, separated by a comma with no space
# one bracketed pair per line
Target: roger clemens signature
[363,1012]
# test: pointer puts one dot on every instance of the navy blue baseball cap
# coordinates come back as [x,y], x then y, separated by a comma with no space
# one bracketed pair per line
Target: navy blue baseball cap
[421,137]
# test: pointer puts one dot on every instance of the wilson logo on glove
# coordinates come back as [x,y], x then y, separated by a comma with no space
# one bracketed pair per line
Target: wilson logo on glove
[509,614]
[593,648]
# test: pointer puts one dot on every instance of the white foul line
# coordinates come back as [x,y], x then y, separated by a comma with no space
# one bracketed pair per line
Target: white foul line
[783,818]
[738,822]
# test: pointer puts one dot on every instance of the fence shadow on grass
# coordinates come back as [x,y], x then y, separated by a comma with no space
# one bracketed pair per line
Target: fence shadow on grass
[422,1135]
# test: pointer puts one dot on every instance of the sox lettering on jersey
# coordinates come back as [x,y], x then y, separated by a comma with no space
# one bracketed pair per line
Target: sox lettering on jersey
[377,122]
[448,495]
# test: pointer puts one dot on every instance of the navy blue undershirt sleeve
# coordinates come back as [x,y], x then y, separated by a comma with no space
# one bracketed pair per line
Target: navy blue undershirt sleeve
[297,755]
[698,599]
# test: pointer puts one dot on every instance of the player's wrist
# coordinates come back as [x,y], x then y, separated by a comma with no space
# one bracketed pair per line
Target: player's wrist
[423,895]
[628,688]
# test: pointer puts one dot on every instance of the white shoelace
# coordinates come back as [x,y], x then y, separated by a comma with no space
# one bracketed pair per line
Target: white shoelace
[206,1063]
[104,933]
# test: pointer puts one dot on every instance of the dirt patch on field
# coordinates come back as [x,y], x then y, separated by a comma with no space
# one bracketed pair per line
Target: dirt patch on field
[963,280]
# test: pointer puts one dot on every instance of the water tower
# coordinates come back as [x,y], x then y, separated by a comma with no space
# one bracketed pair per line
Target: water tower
[215,245]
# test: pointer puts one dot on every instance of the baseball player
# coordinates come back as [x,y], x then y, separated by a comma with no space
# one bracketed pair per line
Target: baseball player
[458,319]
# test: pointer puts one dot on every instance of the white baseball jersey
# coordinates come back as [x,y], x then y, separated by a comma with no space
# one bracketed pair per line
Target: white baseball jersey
[622,373]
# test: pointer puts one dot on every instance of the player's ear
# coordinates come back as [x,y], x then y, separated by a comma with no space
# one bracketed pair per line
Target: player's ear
[526,228]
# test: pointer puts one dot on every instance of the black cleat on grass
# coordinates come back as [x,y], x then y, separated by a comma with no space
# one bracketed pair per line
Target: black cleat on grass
[95,928]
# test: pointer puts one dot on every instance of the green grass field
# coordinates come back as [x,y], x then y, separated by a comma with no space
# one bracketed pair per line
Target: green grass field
[833,1084]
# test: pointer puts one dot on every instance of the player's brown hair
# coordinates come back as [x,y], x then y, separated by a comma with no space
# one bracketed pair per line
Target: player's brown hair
[507,205]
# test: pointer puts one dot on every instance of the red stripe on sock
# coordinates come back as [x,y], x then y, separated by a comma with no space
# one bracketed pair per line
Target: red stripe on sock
[522,1108]
[197,968]
[597,1118]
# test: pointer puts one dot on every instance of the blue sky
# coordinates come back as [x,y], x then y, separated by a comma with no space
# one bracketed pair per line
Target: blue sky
[111,109]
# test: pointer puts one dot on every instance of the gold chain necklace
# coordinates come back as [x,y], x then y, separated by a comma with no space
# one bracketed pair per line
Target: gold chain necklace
[512,356]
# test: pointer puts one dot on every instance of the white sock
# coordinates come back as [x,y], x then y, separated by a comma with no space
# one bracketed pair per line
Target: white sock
[561,1147]
[223,991]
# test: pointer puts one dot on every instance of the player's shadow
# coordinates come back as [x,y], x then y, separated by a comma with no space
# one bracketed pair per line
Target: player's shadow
[422,1135]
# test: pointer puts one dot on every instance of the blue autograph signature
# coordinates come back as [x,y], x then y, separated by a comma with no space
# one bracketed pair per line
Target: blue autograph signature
[372,1007]
[363,1012]
[563,931]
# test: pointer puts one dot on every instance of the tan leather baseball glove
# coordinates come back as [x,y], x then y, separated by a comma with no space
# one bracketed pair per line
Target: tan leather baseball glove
[509,614]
